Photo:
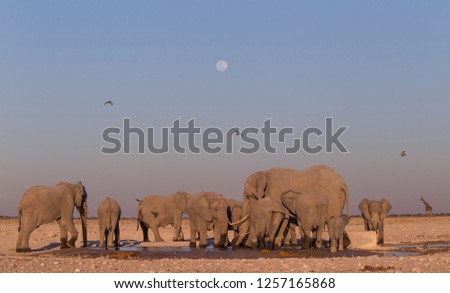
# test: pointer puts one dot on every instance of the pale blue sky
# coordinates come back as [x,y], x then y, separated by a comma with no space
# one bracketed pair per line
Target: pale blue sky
[382,68]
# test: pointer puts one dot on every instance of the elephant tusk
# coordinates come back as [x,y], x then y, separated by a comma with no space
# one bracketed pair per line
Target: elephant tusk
[240,221]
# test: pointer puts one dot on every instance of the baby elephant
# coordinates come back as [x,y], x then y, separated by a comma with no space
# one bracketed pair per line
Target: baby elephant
[336,229]
[108,220]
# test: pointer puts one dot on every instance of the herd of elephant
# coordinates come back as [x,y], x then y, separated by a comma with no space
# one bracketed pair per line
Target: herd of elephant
[274,202]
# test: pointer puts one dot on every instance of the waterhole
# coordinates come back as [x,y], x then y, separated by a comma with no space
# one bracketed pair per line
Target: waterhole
[210,252]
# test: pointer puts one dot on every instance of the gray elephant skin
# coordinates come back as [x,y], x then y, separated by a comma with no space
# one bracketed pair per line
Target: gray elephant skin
[336,229]
[310,208]
[260,217]
[234,214]
[156,211]
[273,182]
[206,209]
[44,204]
[374,212]
[108,214]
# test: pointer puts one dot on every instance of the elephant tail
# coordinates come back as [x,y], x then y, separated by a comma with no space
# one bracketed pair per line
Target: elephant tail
[138,220]
[345,191]
[20,218]
[110,215]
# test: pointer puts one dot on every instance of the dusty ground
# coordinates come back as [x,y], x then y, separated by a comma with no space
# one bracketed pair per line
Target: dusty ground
[413,244]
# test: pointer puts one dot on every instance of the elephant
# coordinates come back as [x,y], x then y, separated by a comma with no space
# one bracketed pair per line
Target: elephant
[44,204]
[273,182]
[260,217]
[204,209]
[234,214]
[373,213]
[156,211]
[310,208]
[108,214]
[336,229]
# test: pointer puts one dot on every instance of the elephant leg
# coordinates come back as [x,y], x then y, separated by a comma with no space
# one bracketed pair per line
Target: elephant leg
[63,234]
[177,231]
[101,243]
[117,235]
[306,239]
[73,232]
[193,230]
[109,240]
[380,240]
[341,242]
[319,237]
[144,228]
[155,230]
[261,241]
[333,240]
[23,239]
[202,230]
[293,235]
[279,223]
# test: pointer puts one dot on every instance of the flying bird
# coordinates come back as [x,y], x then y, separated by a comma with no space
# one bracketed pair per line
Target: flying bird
[236,132]
[108,102]
[403,154]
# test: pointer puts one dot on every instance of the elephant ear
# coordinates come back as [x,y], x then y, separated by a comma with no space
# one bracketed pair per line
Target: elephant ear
[385,208]
[261,183]
[331,224]
[201,208]
[364,208]
[289,199]
[345,219]
[79,194]
[181,199]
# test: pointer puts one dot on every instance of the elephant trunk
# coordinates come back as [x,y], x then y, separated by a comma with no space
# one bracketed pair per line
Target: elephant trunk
[244,227]
[375,222]
[223,228]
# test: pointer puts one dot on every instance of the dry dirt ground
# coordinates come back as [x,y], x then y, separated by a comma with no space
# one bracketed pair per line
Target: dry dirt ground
[412,244]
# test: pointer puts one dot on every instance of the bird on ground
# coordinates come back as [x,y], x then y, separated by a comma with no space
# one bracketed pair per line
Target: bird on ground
[108,102]
[403,154]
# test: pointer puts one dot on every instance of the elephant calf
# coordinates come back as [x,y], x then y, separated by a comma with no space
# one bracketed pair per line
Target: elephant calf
[310,207]
[374,212]
[108,221]
[336,229]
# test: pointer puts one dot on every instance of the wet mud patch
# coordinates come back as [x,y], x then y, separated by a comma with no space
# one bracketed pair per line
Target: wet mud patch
[204,253]
[180,252]
[413,249]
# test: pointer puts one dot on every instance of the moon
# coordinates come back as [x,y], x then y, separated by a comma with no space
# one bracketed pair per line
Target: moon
[222,66]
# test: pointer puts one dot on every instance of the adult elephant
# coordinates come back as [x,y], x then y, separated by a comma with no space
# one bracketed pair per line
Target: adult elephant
[44,204]
[276,181]
[374,212]
[156,211]
[108,214]
[208,209]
